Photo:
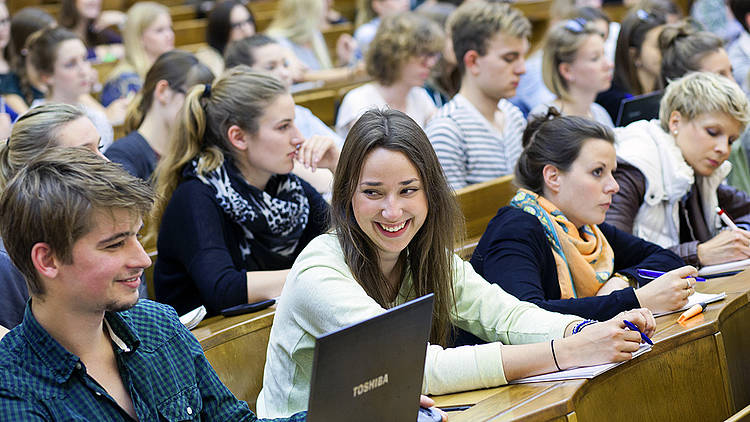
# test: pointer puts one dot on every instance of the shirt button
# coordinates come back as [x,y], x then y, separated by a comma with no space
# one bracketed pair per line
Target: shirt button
[98,394]
[78,365]
[189,410]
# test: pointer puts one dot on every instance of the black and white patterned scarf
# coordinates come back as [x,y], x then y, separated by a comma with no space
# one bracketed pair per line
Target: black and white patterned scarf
[274,218]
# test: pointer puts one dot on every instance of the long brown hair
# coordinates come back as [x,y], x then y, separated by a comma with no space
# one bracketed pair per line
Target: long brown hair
[429,256]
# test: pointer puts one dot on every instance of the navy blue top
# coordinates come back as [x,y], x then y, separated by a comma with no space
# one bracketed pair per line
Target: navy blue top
[611,100]
[160,362]
[515,254]
[200,262]
[135,154]
[11,84]
[13,291]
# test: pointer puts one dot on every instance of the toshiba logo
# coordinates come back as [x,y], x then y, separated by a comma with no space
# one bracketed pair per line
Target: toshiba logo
[370,385]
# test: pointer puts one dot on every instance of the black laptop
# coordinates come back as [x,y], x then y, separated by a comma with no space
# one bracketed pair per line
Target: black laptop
[373,370]
[641,107]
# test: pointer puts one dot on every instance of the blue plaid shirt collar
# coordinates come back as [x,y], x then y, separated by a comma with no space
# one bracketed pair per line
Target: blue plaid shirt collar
[60,362]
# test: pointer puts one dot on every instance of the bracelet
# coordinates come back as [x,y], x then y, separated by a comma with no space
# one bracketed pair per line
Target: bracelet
[552,346]
[577,329]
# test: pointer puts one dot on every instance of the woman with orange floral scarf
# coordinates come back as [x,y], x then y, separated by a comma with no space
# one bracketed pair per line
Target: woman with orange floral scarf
[550,245]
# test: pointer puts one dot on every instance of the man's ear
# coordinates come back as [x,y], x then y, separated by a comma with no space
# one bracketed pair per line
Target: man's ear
[44,260]
[470,62]
[551,176]
[236,137]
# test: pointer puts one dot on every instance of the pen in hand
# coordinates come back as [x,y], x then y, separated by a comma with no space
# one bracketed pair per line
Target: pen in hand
[725,218]
[634,328]
[656,274]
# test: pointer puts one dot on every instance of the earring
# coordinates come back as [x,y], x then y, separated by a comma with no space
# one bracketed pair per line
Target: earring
[674,132]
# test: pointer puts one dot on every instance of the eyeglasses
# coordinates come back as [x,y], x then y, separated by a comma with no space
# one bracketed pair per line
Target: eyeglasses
[576,25]
[240,24]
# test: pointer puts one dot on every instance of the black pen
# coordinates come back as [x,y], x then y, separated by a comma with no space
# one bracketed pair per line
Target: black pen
[454,408]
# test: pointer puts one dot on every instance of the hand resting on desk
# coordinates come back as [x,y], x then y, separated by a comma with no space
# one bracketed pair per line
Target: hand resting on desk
[668,292]
[601,342]
[605,342]
[427,403]
[727,246]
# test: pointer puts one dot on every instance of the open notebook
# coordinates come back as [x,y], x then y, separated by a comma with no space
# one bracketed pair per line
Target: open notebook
[194,317]
[585,372]
[727,267]
[695,299]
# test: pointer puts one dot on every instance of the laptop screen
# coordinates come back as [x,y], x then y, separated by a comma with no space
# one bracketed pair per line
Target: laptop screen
[372,370]
[642,107]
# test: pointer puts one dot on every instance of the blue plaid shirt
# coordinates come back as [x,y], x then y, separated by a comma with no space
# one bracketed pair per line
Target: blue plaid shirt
[161,364]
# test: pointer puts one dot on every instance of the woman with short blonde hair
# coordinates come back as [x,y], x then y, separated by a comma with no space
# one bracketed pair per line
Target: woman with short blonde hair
[671,171]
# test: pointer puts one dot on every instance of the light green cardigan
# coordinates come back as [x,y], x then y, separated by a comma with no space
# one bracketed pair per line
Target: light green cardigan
[321,296]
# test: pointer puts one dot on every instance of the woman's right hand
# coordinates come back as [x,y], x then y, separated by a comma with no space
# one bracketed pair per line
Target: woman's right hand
[605,342]
[668,292]
[117,110]
[318,151]
[727,246]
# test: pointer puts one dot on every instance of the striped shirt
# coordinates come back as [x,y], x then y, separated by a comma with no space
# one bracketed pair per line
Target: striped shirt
[469,148]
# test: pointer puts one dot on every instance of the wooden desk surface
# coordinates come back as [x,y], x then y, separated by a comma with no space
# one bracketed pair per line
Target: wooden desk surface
[218,329]
[695,371]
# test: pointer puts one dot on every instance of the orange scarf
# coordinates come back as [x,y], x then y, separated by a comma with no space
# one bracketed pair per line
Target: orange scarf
[584,259]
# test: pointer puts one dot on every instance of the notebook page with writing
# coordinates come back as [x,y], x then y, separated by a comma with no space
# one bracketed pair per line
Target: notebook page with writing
[584,372]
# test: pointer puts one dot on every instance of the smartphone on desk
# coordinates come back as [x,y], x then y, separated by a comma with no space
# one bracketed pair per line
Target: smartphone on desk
[246,308]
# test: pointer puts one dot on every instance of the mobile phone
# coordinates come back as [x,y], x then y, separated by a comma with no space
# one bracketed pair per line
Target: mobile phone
[246,308]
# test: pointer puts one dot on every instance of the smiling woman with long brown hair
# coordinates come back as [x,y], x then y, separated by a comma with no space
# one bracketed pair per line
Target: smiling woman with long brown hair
[395,221]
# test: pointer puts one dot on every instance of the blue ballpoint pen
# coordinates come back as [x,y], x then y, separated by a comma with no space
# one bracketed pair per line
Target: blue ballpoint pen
[634,328]
[655,274]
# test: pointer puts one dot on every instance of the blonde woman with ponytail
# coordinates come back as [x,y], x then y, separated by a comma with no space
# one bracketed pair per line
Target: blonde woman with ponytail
[154,111]
[230,217]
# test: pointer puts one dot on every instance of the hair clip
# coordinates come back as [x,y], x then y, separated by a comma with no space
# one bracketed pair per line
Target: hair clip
[643,15]
[576,25]
[206,91]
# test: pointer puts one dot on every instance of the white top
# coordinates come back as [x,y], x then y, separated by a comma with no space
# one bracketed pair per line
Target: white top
[471,149]
[310,125]
[419,106]
[598,112]
[321,295]
[646,146]
[365,33]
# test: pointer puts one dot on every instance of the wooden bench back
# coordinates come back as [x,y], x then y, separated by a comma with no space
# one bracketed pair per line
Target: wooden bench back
[479,204]
[236,348]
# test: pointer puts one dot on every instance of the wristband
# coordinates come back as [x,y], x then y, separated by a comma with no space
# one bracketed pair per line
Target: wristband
[577,329]
[552,346]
